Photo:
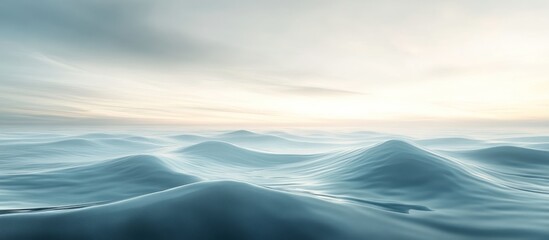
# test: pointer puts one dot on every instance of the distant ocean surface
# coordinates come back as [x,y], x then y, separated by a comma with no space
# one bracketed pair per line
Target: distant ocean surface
[272,185]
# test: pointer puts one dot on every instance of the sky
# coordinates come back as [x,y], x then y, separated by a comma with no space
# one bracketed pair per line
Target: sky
[253,63]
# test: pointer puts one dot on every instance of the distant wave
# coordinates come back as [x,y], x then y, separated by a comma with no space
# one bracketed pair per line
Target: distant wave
[189,137]
[77,144]
[451,142]
[230,154]
[63,144]
[511,156]
[265,142]
[531,139]
[109,180]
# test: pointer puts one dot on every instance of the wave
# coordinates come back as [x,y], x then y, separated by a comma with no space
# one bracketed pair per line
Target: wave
[528,139]
[234,210]
[250,185]
[29,151]
[77,144]
[102,135]
[511,156]
[104,181]
[189,137]
[269,142]
[450,141]
[230,154]
[258,141]
[241,133]
[522,168]
[213,210]
[539,146]
[399,170]
[73,143]
[246,136]
[70,148]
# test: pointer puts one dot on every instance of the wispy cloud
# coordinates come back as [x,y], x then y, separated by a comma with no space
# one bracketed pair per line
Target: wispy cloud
[98,29]
[316,91]
[273,62]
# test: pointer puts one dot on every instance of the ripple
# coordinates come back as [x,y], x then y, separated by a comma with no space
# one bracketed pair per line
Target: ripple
[251,185]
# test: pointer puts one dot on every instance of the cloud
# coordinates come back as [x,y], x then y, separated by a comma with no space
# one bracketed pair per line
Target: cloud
[111,31]
[268,61]
[316,91]
[29,120]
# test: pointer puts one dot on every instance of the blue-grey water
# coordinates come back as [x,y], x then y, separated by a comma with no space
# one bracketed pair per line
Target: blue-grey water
[273,185]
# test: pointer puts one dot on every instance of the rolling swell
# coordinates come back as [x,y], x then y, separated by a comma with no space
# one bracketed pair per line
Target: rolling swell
[399,171]
[399,168]
[511,156]
[230,154]
[213,210]
[269,142]
[70,147]
[104,181]
[521,168]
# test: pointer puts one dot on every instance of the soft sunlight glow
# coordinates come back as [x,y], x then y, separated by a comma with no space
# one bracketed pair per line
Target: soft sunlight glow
[329,63]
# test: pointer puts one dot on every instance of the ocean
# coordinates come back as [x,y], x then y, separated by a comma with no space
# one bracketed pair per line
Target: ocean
[272,185]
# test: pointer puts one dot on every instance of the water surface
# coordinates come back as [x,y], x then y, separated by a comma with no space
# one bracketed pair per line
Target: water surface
[276,185]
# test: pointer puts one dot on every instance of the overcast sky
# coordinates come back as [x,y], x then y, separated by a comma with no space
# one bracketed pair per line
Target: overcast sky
[274,63]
